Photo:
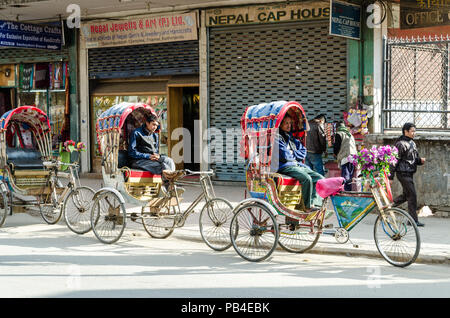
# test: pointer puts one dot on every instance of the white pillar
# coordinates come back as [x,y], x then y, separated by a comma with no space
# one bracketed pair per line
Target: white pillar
[379,31]
[84,108]
[203,90]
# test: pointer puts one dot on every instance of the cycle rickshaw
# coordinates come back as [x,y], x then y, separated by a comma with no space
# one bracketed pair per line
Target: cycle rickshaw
[160,207]
[275,214]
[31,177]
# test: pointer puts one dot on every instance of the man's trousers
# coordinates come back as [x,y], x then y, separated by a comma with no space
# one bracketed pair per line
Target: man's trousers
[409,193]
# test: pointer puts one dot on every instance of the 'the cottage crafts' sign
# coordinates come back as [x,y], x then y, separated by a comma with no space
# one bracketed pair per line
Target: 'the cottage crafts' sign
[140,30]
[27,35]
[268,13]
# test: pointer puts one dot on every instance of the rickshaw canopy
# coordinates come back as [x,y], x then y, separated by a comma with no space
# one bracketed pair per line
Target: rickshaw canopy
[29,115]
[115,116]
[258,121]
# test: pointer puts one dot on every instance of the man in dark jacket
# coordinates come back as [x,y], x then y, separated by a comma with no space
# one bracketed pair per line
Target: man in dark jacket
[316,143]
[288,161]
[405,168]
[143,148]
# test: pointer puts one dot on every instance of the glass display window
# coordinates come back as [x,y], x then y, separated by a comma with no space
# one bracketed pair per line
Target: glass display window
[157,102]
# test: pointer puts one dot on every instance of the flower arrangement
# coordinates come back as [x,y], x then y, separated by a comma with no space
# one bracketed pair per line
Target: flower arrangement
[70,146]
[376,159]
[66,148]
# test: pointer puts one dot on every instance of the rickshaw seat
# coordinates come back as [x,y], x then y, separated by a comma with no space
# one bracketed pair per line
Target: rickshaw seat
[141,176]
[24,159]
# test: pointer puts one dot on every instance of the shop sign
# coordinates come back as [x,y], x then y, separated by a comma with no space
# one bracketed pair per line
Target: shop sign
[268,13]
[140,30]
[27,35]
[345,19]
[424,13]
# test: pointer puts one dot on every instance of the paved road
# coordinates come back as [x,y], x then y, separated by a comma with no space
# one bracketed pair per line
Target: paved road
[39,260]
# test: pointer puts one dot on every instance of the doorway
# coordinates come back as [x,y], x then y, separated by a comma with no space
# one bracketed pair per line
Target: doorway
[6,100]
[191,118]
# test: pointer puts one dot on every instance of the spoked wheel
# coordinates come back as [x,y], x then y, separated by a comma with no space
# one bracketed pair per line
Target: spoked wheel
[3,205]
[214,222]
[50,209]
[254,232]
[76,209]
[397,237]
[298,236]
[158,224]
[108,217]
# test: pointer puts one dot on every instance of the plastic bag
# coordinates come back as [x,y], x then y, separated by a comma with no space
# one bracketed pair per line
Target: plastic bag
[329,186]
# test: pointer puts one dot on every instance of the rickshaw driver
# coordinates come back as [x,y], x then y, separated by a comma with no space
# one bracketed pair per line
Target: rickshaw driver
[143,148]
[290,157]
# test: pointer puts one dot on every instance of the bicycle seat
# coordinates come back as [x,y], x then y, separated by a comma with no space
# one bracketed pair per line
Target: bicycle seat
[173,175]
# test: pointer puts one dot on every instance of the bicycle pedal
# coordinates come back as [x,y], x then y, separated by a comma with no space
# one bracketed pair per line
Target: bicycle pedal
[328,226]
[133,216]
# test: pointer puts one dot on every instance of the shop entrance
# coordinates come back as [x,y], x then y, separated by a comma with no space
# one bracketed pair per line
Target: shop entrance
[6,100]
[183,119]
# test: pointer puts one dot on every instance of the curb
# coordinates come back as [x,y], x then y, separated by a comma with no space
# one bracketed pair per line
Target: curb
[321,250]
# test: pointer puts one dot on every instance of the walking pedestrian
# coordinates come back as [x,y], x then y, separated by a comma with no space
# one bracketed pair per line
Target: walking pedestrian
[316,144]
[344,145]
[405,168]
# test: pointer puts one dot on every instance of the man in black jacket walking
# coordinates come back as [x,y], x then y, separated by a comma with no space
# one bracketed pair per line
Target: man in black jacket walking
[405,168]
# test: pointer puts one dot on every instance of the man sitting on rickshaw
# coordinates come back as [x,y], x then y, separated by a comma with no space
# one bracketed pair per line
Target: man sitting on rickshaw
[291,154]
[143,148]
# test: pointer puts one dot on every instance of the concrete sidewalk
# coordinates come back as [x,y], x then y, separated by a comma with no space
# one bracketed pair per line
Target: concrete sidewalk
[435,236]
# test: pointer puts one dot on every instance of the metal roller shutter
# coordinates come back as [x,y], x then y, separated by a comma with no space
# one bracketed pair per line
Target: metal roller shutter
[257,64]
[18,55]
[172,58]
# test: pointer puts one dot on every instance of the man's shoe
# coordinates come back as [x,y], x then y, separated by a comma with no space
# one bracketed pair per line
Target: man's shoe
[420,224]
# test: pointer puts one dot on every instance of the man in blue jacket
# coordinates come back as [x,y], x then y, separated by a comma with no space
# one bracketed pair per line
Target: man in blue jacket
[289,160]
[143,148]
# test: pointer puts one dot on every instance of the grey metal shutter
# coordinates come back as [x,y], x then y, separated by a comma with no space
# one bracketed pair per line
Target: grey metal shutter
[172,58]
[257,64]
[18,55]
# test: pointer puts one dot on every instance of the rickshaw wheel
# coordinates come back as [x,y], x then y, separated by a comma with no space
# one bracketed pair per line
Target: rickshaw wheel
[254,232]
[3,207]
[108,217]
[77,208]
[299,237]
[214,222]
[397,237]
[49,208]
[158,225]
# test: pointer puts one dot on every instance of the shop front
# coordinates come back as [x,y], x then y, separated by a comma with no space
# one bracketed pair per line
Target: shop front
[148,59]
[264,53]
[41,78]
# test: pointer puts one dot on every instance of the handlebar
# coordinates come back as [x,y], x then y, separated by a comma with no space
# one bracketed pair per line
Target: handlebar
[209,172]
[57,164]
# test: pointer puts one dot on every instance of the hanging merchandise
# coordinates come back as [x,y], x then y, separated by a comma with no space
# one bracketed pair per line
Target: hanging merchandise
[41,77]
[355,116]
[330,131]
[26,76]
[56,75]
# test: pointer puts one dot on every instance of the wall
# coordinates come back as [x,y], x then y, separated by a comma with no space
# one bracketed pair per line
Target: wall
[433,178]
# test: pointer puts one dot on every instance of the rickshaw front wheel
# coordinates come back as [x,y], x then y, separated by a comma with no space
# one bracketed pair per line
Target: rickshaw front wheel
[214,222]
[397,237]
[77,208]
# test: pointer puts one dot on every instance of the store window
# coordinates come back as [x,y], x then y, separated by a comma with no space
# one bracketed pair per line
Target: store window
[43,85]
[158,103]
